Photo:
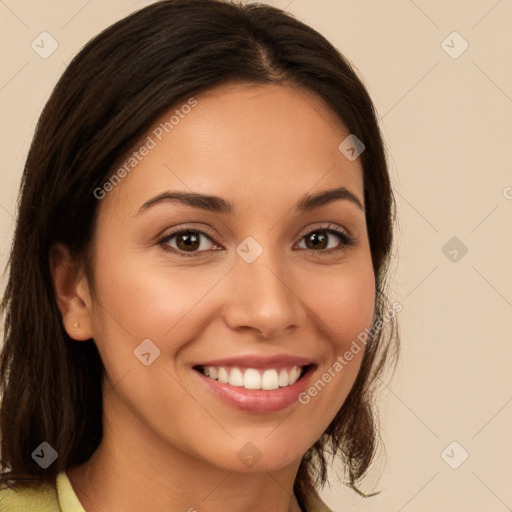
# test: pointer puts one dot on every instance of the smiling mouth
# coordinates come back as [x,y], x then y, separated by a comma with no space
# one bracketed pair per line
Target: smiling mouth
[252,378]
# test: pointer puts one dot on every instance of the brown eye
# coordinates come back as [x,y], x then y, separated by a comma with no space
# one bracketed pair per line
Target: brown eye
[187,242]
[319,239]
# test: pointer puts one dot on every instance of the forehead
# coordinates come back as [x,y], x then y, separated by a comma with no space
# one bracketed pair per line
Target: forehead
[251,144]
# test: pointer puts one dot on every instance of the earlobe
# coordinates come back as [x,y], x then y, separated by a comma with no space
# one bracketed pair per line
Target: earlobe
[71,293]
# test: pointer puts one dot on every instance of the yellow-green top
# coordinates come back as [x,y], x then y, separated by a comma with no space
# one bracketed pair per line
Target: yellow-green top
[62,498]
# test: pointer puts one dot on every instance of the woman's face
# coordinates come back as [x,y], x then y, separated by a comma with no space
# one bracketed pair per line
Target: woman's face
[256,294]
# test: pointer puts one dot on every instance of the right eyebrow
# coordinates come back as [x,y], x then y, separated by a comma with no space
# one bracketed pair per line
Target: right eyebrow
[311,201]
[204,202]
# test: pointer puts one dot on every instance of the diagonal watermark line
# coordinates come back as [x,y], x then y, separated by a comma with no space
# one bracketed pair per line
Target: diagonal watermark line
[422,280]
[424,13]
[116,383]
[165,165]
[503,297]
[326,120]
[510,509]
[484,218]
[501,409]
[411,410]
[407,503]
[110,314]
[199,403]
[492,81]
[217,486]
[418,212]
[206,293]
[6,211]
[279,424]
[318,181]
[326,327]
[288,5]
[2,1]
[14,76]
[76,14]
[193,191]
[313,108]
[492,8]
[420,80]
[279,483]
[229,474]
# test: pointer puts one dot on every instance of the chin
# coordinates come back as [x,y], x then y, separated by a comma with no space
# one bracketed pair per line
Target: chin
[254,454]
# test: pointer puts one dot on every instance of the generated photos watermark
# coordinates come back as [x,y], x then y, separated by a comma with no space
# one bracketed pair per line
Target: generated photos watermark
[356,347]
[150,143]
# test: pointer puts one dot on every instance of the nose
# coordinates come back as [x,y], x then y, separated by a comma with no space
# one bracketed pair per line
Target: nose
[263,297]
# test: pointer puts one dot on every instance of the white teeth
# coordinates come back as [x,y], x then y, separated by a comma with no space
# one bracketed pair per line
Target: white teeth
[236,378]
[270,380]
[252,378]
[283,378]
[294,375]
[223,375]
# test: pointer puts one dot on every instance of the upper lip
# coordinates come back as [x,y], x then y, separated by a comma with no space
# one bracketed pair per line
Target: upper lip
[258,361]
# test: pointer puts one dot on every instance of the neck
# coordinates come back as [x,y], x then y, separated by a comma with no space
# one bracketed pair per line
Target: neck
[132,468]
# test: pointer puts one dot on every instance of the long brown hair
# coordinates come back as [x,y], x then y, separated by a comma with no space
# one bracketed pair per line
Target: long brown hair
[114,89]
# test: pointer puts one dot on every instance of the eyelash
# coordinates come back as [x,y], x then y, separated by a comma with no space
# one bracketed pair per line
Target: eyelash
[346,240]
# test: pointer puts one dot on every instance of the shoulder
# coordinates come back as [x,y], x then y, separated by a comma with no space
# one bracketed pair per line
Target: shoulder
[40,498]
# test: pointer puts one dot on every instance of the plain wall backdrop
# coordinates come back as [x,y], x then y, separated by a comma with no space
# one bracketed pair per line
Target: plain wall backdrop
[440,75]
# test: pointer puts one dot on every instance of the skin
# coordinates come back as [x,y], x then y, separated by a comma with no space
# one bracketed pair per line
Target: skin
[168,440]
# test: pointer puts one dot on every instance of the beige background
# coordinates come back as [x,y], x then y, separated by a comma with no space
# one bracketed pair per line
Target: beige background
[448,126]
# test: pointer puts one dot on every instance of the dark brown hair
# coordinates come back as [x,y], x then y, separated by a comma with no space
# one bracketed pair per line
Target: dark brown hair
[114,89]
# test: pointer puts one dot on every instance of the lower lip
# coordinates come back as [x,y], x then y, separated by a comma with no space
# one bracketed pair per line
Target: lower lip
[257,400]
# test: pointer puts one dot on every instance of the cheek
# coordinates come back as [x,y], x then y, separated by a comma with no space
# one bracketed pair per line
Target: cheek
[174,306]
[141,298]
[344,302]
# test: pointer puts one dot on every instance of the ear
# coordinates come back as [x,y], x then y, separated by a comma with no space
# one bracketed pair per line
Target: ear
[71,293]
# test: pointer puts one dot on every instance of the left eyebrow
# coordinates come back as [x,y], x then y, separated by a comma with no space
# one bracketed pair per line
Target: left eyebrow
[219,205]
[311,201]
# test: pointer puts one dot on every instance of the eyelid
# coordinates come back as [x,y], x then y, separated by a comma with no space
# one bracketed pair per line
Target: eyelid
[322,226]
[347,240]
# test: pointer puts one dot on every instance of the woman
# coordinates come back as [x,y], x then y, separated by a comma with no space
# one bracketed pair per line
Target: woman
[195,312]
